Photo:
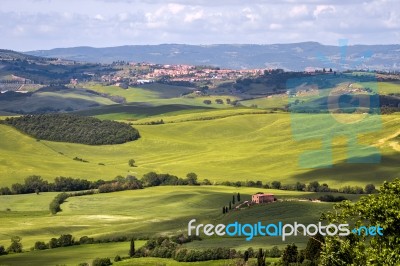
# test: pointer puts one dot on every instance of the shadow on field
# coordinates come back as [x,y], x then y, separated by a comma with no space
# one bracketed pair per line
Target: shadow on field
[375,173]
[140,109]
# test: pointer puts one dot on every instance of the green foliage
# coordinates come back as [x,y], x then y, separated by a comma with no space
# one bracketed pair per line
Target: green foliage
[39,245]
[16,245]
[191,179]
[276,184]
[57,201]
[290,254]
[3,251]
[274,252]
[65,240]
[376,209]
[261,257]
[74,129]
[117,258]
[102,262]
[370,189]
[331,198]
[314,247]
[132,248]
[120,183]
[131,162]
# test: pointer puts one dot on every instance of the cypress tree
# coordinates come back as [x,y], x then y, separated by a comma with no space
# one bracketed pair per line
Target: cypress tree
[132,248]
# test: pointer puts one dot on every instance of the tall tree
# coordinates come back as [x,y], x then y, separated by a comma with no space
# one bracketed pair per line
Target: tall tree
[238,197]
[233,199]
[132,248]
[261,257]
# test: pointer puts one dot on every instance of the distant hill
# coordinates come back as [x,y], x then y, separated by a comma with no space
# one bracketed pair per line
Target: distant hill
[295,56]
[12,55]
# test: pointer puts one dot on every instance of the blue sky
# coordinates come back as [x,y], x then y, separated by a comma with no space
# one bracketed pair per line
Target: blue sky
[43,24]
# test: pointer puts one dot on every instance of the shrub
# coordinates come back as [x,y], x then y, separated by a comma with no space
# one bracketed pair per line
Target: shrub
[101,262]
[39,245]
[3,251]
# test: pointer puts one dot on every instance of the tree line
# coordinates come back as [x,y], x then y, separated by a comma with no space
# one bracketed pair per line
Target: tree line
[74,129]
[313,186]
[36,184]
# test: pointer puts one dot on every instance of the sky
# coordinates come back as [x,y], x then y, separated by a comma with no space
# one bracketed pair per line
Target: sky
[27,25]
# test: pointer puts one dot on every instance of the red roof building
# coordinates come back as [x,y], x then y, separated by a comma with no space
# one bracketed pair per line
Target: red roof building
[262,198]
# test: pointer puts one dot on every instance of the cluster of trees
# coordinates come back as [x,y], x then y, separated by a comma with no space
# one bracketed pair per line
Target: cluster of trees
[15,246]
[153,179]
[226,209]
[74,128]
[36,184]
[120,183]
[331,198]
[156,122]
[165,247]
[313,186]
[218,101]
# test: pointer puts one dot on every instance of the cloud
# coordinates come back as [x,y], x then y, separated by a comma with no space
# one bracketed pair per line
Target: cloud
[43,24]
[323,9]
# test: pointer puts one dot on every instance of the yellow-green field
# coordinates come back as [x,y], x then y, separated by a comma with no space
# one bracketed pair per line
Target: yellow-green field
[70,256]
[147,213]
[239,147]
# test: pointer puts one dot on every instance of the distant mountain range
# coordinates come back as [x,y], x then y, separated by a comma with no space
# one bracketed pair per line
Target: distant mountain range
[296,56]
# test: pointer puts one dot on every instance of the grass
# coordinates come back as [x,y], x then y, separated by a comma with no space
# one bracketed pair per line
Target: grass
[238,147]
[385,88]
[269,102]
[166,211]
[170,262]
[61,100]
[68,255]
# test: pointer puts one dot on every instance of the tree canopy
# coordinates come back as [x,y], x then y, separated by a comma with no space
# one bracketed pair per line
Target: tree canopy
[74,128]
[376,209]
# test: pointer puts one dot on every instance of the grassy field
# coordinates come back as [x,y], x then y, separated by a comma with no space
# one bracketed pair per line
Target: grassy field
[169,262]
[71,99]
[239,147]
[138,214]
[270,102]
[69,256]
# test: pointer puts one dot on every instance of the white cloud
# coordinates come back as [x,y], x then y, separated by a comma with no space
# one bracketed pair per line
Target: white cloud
[298,11]
[323,9]
[99,17]
[274,26]
[43,24]
[192,16]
